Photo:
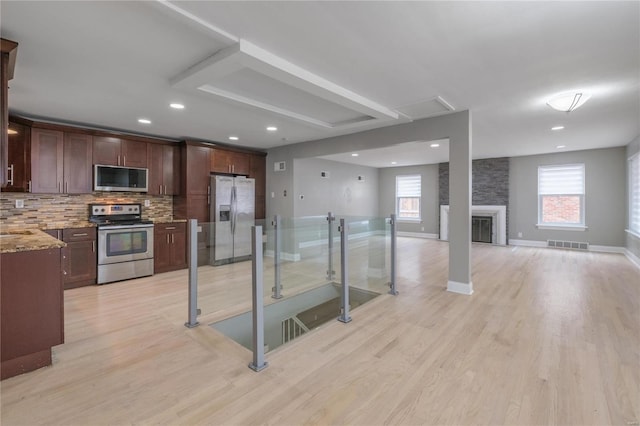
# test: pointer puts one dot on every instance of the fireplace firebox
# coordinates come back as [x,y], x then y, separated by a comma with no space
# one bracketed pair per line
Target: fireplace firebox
[482,229]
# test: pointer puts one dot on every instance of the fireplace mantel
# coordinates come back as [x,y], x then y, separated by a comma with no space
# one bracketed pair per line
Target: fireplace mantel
[499,214]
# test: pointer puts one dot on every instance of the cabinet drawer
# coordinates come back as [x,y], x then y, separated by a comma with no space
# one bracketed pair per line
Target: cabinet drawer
[171,227]
[78,234]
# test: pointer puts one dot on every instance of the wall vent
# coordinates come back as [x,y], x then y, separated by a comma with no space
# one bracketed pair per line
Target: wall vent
[575,245]
[324,175]
[279,166]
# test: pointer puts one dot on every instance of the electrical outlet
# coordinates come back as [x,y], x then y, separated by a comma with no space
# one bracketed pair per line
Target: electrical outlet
[273,195]
[19,204]
[422,229]
[147,203]
[519,234]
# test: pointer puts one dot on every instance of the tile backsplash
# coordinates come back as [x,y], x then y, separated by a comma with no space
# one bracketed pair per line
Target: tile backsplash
[61,210]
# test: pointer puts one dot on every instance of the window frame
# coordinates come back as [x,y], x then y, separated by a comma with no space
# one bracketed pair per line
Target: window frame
[572,226]
[419,197]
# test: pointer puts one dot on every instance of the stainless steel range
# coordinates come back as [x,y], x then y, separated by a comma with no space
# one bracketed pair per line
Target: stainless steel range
[125,242]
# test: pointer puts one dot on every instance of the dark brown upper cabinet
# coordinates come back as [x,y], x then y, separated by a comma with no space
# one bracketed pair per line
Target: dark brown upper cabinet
[19,158]
[164,169]
[112,151]
[231,162]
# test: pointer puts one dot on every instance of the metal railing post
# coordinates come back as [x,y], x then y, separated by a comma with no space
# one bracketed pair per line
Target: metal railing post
[330,271]
[277,286]
[344,249]
[394,246]
[258,362]
[192,243]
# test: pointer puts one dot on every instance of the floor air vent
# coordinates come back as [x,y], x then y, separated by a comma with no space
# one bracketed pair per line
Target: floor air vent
[576,245]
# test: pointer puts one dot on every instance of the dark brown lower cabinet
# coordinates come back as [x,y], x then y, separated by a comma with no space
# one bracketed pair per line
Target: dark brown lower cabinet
[79,257]
[169,247]
[80,261]
[32,310]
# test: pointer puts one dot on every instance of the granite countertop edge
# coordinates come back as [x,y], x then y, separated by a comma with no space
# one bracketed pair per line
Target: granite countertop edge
[34,240]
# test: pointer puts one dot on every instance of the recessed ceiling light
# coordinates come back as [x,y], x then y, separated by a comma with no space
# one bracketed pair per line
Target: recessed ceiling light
[233,138]
[561,146]
[434,145]
[144,121]
[355,154]
[176,106]
[568,101]
[272,128]
[394,162]
[557,128]
[12,132]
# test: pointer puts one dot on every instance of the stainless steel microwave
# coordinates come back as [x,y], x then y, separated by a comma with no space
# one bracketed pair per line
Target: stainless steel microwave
[115,178]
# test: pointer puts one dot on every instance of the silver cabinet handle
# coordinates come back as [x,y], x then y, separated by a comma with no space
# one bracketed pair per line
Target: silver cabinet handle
[167,238]
[124,160]
[165,190]
[84,234]
[93,246]
[118,160]
[10,180]
[170,227]
[160,189]
[173,238]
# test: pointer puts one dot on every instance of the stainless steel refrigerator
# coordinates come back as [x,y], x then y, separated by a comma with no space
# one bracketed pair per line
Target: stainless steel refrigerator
[232,215]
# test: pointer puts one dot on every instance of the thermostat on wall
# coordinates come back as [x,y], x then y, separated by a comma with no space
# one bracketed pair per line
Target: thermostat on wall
[279,166]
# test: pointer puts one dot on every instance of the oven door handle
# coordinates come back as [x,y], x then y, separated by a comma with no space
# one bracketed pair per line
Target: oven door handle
[110,227]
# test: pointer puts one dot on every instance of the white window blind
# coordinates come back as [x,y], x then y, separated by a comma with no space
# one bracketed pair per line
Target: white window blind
[408,186]
[561,191]
[634,193]
[561,180]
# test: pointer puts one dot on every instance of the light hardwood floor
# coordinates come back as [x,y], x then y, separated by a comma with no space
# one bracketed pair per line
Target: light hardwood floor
[549,337]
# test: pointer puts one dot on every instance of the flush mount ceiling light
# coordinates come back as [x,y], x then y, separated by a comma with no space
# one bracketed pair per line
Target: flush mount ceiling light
[394,162]
[233,138]
[569,101]
[355,154]
[272,128]
[434,145]
[144,121]
[561,146]
[557,128]
[176,106]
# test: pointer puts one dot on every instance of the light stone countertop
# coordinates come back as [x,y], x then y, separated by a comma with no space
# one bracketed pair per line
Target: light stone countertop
[27,240]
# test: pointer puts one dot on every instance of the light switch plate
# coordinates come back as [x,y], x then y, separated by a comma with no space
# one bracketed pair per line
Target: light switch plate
[19,204]
[147,203]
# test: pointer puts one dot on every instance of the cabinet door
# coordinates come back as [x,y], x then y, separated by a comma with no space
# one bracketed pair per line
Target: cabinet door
[18,158]
[156,169]
[179,247]
[171,170]
[240,163]
[197,170]
[80,264]
[134,154]
[78,155]
[259,173]
[161,250]
[220,161]
[106,151]
[46,161]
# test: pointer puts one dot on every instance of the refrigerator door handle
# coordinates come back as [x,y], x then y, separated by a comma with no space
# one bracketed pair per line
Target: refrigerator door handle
[234,207]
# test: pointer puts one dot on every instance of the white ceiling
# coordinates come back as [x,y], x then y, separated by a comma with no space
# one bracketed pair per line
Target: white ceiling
[321,69]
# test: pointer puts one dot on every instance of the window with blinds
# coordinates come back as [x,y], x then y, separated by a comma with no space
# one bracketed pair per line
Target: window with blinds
[634,194]
[408,193]
[561,195]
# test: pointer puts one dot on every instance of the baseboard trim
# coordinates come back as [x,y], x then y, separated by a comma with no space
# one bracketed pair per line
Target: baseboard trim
[632,258]
[418,235]
[460,288]
[607,249]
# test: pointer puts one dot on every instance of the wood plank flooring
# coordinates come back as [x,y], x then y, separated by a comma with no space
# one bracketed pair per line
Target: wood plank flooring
[549,337]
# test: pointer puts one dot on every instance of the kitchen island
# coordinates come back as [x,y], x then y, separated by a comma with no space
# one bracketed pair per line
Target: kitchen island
[31,300]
